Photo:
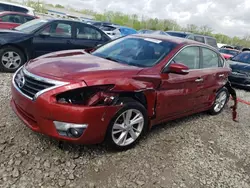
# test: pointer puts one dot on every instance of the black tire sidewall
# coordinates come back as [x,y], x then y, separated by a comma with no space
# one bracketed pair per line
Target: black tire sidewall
[10,48]
[212,111]
[127,105]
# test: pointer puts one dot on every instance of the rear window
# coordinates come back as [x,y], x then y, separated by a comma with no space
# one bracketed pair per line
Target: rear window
[199,39]
[211,42]
[107,28]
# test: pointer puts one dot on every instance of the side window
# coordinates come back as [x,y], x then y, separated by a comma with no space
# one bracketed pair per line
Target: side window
[210,58]
[211,42]
[190,57]
[221,63]
[12,18]
[62,30]
[199,39]
[191,37]
[86,32]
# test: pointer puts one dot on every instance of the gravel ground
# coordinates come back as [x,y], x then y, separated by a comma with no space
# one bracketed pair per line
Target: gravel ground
[198,151]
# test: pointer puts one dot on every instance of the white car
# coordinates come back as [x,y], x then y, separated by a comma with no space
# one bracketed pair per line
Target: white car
[116,31]
[7,6]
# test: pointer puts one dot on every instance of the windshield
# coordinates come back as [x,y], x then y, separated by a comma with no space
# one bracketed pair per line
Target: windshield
[228,51]
[141,52]
[242,57]
[31,26]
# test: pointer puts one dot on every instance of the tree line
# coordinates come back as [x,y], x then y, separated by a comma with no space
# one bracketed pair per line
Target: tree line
[141,22]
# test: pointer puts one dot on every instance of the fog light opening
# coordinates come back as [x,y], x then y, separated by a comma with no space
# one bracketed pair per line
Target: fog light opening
[70,129]
[74,132]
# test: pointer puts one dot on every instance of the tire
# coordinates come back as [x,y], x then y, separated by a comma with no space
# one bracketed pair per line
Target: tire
[11,59]
[215,109]
[112,138]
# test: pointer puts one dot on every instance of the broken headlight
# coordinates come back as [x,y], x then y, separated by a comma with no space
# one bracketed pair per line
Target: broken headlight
[88,96]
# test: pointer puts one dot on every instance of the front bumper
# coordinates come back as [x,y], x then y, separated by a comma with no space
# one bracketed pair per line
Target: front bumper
[39,115]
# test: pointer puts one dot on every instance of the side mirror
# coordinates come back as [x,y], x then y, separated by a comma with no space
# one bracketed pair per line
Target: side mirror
[177,68]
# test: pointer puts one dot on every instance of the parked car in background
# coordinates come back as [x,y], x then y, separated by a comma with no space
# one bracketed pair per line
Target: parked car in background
[7,6]
[116,31]
[145,31]
[120,90]
[156,32]
[240,65]
[41,36]
[10,20]
[200,38]
[99,24]
[228,47]
[228,53]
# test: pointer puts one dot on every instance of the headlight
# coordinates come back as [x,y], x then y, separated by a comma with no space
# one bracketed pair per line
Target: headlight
[87,96]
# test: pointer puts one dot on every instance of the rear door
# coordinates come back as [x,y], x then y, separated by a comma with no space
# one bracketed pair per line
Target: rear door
[214,74]
[55,36]
[179,94]
[87,36]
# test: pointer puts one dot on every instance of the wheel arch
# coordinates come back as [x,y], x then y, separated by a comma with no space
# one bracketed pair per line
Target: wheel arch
[145,97]
[19,48]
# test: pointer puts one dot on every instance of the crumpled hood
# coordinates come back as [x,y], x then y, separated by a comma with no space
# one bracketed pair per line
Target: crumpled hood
[77,65]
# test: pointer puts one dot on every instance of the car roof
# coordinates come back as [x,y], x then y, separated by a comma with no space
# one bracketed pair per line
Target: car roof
[61,19]
[173,39]
[18,5]
[12,12]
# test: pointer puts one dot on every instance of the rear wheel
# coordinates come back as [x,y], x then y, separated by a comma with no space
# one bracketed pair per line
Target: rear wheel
[127,126]
[221,99]
[11,59]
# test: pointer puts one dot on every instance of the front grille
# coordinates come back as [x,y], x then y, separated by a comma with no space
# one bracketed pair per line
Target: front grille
[30,86]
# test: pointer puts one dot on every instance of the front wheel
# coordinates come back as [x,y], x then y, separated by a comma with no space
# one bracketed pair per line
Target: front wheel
[127,126]
[221,99]
[11,59]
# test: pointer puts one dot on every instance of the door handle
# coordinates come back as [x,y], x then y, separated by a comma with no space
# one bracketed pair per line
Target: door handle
[221,75]
[199,80]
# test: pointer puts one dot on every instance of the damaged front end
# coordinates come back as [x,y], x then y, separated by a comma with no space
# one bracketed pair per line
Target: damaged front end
[89,96]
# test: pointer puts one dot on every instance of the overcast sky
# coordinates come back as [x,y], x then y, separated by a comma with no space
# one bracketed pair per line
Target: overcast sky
[231,17]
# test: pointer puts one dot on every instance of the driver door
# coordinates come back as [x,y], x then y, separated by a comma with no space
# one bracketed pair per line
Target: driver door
[56,36]
[180,94]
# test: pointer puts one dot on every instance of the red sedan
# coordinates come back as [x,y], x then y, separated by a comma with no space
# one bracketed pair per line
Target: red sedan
[228,53]
[10,20]
[120,90]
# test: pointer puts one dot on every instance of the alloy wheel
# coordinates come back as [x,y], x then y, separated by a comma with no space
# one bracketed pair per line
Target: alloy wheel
[11,60]
[220,101]
[127,127]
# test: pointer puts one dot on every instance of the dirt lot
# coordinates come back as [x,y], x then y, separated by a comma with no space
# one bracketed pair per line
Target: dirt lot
[198,151]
